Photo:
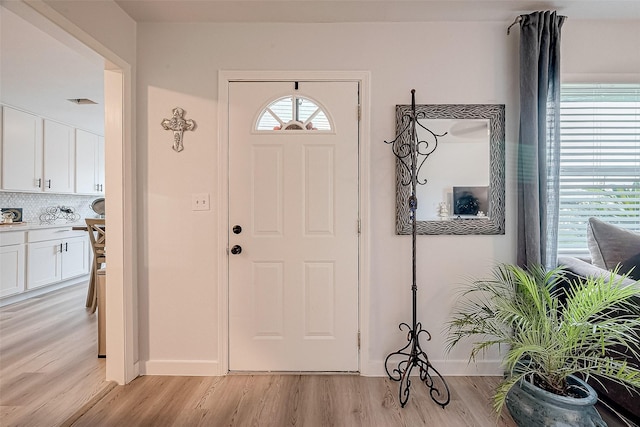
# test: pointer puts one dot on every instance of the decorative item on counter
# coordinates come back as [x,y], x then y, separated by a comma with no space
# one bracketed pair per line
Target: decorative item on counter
[11,215]
[98,206]
[178,125]
[6,218]
[470,200]
[466,204]
[443,210]
[55,213]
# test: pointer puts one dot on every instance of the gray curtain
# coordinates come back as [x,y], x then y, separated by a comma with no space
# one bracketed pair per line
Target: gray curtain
[539,139]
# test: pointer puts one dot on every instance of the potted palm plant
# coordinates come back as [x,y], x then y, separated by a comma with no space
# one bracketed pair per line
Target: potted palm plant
[555,333]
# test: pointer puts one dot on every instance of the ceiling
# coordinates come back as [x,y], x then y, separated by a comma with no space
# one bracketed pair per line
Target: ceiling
[40,70]
[310,11]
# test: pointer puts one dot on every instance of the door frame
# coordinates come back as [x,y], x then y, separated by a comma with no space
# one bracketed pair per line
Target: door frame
[225,77]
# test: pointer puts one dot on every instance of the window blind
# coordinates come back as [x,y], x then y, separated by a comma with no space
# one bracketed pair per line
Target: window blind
[599,160]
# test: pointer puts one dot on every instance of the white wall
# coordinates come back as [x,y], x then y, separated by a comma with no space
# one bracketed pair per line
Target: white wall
[178,65]
[103,20]
[601,51]
[446,62]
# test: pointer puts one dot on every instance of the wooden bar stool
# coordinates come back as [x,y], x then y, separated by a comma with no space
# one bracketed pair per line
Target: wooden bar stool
[98,238]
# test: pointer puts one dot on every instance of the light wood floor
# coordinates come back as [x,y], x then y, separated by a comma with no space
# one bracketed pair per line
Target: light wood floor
[50,376]
[49,364]
[289,400]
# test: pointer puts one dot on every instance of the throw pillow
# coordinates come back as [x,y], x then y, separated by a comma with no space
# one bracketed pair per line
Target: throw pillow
[632,267]
[610,245]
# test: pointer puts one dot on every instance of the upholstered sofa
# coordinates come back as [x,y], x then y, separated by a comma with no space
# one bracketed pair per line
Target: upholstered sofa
[611,247]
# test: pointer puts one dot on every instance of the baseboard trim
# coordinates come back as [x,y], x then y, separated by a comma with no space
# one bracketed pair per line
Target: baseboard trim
[373,369]
[195,368]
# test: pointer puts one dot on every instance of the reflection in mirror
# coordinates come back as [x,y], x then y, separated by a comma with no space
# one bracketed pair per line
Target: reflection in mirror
[464,192]
[465,145]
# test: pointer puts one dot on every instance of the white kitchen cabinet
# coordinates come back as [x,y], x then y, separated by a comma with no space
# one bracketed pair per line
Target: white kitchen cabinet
[22,151]
[54,255]
[12,263]
[89,163]
[45,263]
[75,258]
[40,155]
[100,165]
[59,158]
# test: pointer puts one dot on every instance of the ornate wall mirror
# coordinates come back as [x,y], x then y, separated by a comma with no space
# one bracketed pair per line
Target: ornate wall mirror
[464,189]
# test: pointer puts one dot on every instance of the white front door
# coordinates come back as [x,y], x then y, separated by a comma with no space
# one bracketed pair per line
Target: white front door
[293,231]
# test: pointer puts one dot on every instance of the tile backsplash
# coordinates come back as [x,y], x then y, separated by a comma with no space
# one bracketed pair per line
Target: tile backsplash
[34,204]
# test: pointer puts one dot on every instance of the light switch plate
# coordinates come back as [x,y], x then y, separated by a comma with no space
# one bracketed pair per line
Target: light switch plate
[200,202]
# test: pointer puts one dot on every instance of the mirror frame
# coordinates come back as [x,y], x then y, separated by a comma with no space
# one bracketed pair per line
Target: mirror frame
[494,222]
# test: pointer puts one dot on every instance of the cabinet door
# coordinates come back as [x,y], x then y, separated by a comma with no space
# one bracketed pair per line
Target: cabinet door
[75,257]
[100,165]
[21,151]
[11,270]
[59,157]
[44,263]
[86,161]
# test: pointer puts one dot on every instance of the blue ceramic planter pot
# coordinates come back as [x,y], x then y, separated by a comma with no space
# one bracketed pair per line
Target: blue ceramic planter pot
[531,406]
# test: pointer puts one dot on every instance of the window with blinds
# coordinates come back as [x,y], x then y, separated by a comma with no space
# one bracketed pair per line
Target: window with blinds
[599,160]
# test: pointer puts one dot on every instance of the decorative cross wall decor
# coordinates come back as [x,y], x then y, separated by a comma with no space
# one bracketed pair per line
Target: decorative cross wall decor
[178,125]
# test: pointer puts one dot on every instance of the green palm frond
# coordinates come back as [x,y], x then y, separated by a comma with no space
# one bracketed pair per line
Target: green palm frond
[589,329]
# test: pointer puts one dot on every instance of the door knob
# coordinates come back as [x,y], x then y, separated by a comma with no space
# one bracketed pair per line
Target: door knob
[236,249]
[236,229]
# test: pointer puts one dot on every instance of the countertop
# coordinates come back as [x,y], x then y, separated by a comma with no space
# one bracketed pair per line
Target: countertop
[26,226]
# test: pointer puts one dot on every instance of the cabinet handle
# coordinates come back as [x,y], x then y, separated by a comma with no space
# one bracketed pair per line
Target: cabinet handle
[39,182]
[60,247]
[66,247]
[101,187]
[48,183]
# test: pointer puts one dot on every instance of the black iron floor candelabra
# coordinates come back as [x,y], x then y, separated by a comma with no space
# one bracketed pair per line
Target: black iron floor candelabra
[412,153]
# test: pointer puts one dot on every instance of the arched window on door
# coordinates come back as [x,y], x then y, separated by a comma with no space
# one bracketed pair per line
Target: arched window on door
[293,112]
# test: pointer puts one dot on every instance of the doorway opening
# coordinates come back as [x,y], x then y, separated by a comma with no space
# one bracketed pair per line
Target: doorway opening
[120,207]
